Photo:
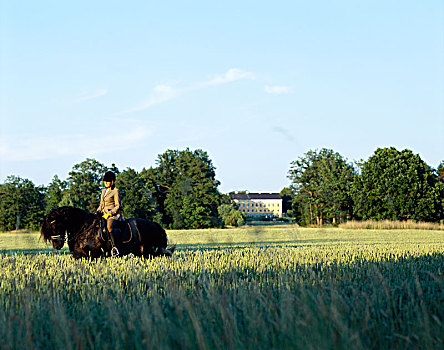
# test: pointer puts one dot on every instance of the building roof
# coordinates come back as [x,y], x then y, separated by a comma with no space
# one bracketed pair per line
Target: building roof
[247,196]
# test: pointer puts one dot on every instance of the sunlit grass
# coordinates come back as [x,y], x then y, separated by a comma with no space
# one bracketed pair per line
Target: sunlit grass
[389,225]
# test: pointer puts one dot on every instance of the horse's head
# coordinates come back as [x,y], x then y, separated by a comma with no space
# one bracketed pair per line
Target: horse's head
[54,228]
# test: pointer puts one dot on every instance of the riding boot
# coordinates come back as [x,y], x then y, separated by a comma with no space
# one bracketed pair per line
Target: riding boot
[112,236]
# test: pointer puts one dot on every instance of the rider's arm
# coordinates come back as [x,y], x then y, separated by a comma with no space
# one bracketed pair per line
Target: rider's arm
[101,205]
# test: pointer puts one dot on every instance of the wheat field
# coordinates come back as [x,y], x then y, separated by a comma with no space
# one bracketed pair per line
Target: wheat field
[246,288]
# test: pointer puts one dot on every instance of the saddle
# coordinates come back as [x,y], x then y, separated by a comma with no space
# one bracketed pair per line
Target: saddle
[126,231]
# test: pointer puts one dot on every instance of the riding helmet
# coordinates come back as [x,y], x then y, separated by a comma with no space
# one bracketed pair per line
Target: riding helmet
[109,176]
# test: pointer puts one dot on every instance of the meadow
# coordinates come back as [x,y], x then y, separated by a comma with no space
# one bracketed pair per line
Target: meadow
[245,288]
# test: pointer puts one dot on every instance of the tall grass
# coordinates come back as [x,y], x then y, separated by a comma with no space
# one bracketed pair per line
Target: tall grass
[333,295]
[390,225]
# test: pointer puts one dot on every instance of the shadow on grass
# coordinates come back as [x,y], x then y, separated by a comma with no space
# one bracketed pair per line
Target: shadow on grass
[34,251]
[264,244]
[210,246]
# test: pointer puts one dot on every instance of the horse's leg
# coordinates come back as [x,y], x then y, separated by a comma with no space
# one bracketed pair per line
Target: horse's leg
[95,253]
[93,250]
[77,254]
[80,251]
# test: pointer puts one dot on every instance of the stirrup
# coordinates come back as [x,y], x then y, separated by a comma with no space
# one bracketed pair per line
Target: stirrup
[114,252]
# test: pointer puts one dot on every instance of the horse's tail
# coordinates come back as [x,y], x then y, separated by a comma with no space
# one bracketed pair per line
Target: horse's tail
[167,251]
[162,237]
[162,242]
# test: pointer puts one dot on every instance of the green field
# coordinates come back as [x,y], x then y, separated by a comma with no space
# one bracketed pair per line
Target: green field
[252,287]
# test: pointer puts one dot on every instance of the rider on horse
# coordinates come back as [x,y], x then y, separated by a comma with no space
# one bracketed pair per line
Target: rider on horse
[110,204]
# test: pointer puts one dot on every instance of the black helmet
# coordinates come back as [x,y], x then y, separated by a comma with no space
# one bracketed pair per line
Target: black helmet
[109,176]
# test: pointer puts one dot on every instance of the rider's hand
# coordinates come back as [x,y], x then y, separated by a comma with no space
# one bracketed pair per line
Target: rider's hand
[106,216]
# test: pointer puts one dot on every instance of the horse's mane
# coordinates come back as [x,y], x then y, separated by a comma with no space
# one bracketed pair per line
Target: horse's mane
[71,218]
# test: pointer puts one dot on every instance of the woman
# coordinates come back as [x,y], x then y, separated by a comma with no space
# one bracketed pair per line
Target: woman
[109,207]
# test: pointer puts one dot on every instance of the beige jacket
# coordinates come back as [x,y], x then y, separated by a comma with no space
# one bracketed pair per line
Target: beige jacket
[110,203]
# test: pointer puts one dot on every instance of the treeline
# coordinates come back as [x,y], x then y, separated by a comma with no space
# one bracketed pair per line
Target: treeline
[390,185]
[181,191]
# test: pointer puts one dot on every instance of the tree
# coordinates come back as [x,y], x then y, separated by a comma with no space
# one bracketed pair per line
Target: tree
[396,185]
[194,216]
[287,199]
[440,171]
[321,182]
[22,204]
[440,178]
[230,215]
[84,185]
[54,193]
[137,198]
[184,187]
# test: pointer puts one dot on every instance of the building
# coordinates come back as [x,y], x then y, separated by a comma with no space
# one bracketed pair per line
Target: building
[259,204]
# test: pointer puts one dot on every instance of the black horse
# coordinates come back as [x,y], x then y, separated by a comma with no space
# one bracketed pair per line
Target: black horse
[87,235]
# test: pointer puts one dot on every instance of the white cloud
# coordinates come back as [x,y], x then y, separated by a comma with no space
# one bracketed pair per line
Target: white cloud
[91,94]
[277,90]
[164,93]
[160,94]
[230,76]
[26,147]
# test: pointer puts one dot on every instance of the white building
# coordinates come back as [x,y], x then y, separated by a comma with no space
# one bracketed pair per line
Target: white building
[259,204]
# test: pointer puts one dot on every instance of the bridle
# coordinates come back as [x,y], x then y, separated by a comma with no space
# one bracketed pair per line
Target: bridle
[58,238]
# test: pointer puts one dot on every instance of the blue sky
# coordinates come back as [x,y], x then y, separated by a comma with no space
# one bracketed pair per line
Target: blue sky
[256,84]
